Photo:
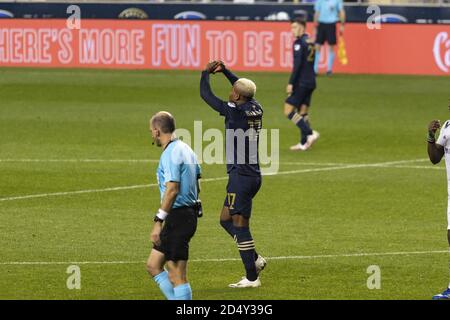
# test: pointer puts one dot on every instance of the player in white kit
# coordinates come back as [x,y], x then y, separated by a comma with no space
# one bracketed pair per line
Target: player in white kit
[436,150]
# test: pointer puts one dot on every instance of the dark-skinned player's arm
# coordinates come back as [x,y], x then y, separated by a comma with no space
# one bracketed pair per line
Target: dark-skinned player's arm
[227,72]
[206,92]
[435,151]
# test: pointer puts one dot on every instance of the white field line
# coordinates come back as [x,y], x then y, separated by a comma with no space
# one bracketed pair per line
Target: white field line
[156,161]
[351,166]
[56,194]
[416,167]
[300,163]
[348,255]
[340,167]
[81,160]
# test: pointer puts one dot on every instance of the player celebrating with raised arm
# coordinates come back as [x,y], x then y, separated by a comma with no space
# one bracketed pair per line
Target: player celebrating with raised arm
[243,122]
[436,150]
[301,86]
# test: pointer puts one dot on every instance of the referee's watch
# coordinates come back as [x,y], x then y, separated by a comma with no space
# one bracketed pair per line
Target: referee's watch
[157,219]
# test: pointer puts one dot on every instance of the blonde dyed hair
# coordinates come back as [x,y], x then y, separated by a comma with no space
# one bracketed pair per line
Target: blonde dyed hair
[245,87]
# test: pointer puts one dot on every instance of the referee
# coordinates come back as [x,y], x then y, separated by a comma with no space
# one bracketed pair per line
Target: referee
[327,13]
[176,221]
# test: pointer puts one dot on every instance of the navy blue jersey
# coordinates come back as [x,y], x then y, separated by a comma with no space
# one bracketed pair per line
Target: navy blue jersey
[303,69]
[242,126]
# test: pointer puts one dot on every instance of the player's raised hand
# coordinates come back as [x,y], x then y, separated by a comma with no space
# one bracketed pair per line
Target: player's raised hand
[434,126]
[212,66]
[220,67]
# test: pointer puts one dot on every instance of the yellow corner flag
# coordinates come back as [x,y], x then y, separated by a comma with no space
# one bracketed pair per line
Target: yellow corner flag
[342,53]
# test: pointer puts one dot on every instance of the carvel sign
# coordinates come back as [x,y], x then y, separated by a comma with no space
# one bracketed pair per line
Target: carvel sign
[258,46]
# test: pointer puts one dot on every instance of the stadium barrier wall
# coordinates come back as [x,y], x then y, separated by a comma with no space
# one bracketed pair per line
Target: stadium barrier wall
[424,14]
[249,46]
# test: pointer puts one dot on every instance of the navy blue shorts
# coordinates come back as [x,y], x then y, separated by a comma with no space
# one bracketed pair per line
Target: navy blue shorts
[240,192]
[326,32]
[300,96]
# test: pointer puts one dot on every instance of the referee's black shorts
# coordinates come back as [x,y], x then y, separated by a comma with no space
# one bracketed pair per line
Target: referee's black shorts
[179,227]
[326,32]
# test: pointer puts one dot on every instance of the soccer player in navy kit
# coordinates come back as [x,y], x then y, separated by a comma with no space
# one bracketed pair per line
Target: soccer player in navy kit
[301,86]
[243,122]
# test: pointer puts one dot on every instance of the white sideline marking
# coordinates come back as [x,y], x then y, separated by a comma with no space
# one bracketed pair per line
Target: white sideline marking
[340,167]
[80,160]
[351,166]
[55,194]
[157,161]
[138,186]
[418,167]
[348,255]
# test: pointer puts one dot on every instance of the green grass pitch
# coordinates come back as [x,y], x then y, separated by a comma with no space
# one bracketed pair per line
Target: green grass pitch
[321,226]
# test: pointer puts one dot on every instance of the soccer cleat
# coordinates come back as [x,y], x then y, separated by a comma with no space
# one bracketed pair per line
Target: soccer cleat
[260,264]
[312,138]
[245,283]
[443,296]
[329,73]
[299,147]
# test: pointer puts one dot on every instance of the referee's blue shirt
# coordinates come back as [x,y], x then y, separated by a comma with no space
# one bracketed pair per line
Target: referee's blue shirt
[328,10]
[178,163]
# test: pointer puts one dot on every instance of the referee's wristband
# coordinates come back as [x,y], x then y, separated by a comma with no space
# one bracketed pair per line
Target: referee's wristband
[431,138]
[161,214]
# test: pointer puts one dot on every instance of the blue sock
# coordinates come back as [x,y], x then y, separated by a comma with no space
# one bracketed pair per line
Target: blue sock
[316,61]
[303,125]
[246,247]
[165,285]
[228,226]
[330,59]
[183,292]
[305,128]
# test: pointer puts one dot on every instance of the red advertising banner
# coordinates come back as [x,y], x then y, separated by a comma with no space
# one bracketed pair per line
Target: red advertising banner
[259,46]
